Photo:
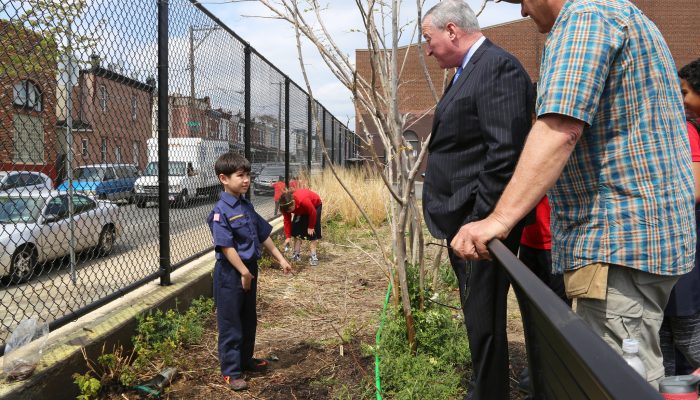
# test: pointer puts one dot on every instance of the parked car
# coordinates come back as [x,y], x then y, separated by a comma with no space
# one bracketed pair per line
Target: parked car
[270,174]
[105,181]
[24,180]
[35,228]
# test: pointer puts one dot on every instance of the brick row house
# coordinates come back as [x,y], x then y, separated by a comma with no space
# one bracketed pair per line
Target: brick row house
[111,118]
[27,103]
[676,19]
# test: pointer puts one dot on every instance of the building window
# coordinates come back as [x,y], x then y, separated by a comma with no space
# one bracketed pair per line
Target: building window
[28,139]
[118,154]
[84,147]
[412,141]
[133,108]
[103,97]
[26,95]
[103,150]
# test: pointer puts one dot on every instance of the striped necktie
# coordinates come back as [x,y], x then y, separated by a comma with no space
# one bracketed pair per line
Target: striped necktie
[459,71]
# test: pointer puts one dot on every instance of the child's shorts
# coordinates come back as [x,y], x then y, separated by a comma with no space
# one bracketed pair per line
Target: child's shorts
[300,226]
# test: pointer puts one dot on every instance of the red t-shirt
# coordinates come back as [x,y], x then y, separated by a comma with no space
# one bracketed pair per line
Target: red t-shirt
[538,235]
[293,184]
[279,188]
[694,138]
[305,203]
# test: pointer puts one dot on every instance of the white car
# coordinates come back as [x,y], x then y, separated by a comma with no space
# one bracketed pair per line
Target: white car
[36,228]
[24,180]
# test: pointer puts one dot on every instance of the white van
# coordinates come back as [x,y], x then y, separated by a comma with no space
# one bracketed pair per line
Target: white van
[190,170]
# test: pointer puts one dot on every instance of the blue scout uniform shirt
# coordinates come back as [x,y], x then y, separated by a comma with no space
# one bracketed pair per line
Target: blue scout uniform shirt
[234,223]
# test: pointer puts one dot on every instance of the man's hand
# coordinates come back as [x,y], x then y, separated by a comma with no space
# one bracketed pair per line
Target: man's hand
[471,240]
[247,280]
[311,231]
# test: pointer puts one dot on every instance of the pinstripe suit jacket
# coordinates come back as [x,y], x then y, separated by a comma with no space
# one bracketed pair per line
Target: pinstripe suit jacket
[478,132]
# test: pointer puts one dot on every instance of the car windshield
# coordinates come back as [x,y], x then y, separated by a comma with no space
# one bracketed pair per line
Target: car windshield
[20,209]
[273,171]
[175,168]
[89,173]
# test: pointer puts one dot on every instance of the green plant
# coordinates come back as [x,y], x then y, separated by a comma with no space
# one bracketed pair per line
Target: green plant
[437,368]
[88,386]
[159,336]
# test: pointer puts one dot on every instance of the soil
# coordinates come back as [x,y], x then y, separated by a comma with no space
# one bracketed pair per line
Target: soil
[311,326]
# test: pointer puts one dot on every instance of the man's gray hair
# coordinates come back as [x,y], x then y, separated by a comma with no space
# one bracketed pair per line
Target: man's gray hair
[456,11]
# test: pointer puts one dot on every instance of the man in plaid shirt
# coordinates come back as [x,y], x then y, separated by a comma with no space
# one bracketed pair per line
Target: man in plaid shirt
[610,146]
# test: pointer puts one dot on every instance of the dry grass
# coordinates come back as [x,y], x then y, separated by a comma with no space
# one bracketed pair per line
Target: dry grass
[365,185]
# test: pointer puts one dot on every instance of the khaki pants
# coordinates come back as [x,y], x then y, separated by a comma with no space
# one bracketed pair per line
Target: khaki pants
[633,308]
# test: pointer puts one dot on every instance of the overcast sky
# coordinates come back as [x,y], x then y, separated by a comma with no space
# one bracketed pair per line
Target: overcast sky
[274,39]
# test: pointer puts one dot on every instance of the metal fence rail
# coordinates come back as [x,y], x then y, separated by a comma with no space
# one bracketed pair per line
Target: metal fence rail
[567,360]
[85,97]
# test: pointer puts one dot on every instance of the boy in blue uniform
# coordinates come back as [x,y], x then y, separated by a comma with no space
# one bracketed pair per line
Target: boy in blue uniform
[239,234]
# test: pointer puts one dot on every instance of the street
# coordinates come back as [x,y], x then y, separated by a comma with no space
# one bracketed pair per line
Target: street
[53,293]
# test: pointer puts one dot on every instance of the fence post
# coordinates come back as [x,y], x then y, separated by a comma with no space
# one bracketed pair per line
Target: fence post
[309,128]
[333,139]
[246,112]
[286,128]
[323,114]
[163,105]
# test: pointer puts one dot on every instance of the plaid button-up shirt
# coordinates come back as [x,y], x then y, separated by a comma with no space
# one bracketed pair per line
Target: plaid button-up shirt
[625,196]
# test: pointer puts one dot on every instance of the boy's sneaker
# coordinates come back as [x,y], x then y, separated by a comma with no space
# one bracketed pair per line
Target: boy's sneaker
[313,260]
[256,365]
[296,257]
[236,384]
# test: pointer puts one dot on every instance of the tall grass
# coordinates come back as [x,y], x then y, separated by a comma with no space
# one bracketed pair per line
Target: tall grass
[364,184]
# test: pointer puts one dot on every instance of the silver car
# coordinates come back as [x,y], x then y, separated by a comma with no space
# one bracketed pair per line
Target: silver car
[25,180]
[36,228]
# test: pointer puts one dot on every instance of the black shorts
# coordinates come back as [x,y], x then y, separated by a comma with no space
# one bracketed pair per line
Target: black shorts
[300,225]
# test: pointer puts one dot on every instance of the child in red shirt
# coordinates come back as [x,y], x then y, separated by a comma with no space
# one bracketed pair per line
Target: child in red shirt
[279,187]
[306,224]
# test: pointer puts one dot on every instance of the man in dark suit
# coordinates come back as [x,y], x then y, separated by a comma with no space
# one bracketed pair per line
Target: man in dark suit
[479,129]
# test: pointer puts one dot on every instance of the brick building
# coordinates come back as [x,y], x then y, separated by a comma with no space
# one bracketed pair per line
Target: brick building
[111,118]
[677,20]
[27,100]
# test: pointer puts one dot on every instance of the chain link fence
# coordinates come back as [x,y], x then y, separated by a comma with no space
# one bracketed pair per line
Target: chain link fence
[81,199]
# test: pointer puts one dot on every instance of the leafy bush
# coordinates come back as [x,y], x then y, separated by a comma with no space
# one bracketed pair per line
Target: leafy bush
[437,369]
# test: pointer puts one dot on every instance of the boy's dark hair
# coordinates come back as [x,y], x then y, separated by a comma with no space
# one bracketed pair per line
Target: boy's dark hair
[691,73]
[286,200]
[229,163]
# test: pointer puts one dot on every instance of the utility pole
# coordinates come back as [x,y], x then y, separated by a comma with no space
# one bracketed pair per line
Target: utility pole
[194,43]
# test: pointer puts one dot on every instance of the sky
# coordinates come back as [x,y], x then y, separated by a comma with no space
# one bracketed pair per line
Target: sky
[274,39]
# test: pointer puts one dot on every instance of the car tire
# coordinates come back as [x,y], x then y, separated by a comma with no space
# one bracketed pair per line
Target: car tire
[105,246]
[140,203]
[23,264]
[131,198]
[102,196]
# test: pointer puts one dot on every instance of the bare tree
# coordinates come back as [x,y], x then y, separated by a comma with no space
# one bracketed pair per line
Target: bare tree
[380,121]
